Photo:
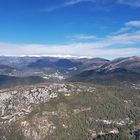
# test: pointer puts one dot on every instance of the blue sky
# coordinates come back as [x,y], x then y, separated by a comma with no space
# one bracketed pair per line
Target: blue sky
[92,28]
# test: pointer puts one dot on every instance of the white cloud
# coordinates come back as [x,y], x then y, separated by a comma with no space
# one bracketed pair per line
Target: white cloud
[102,48]
[67,3]
[73,2]
[79,50]
[100,4]
[107,53]
[129,27]
[133,3]
[133,23]
[76,49]
[126,38]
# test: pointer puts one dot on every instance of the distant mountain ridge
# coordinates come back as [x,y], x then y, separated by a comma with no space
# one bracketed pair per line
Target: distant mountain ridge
[71,69]
[121,69]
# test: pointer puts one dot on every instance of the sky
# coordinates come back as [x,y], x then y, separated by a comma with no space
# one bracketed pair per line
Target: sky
[78,28]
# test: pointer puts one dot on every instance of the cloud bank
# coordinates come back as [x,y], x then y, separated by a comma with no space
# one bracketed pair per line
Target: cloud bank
[124,43]
[77,50]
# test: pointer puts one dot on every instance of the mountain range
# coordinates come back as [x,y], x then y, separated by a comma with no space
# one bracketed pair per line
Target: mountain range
[22,70]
